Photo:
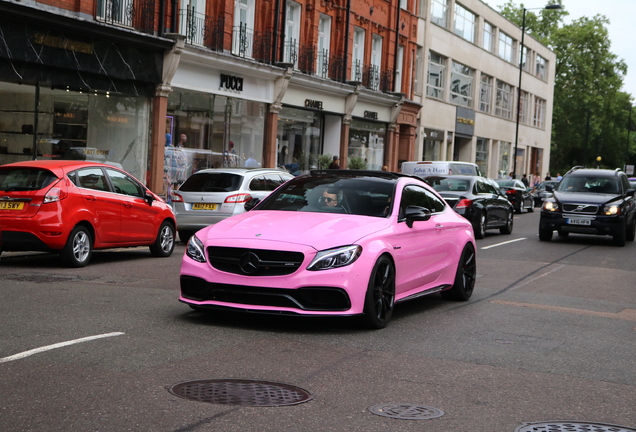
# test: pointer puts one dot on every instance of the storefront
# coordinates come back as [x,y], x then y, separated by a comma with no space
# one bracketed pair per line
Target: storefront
[68,93]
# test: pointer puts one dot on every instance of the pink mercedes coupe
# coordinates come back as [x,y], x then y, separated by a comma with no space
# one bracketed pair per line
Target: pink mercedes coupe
[333,242]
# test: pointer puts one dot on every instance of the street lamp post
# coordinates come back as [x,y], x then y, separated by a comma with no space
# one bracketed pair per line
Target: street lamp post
[523,35]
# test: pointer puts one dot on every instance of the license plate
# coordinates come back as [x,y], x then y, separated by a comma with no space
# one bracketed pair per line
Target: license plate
[11,205]
[204,206]
[579,221]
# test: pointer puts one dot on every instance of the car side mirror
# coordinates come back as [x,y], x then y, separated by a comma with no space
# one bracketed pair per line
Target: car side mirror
[549,188]
[416,214]
[149,198]
[250,204]
[630,192]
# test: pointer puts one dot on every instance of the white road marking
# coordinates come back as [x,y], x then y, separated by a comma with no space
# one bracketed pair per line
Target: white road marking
[504,243]
[57,345]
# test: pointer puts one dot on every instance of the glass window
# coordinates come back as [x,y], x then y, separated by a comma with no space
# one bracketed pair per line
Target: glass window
[524,108]
[503,104]
[504,159]
[435,78]
[357,57]
[506,47]
[525,59]
[243,32]
[293,32]
[485,94]
[488,38]
[539,113]
[464,23]
[461,89]
[376,62]
[324,46]
[366,143]
[439,12]
[541,68]
[92,178]
[125,185]
[398,71]
[299,139]
[481,155]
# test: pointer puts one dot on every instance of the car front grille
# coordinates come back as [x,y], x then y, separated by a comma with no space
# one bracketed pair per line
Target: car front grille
[254,262]
[326,299]
[580,208]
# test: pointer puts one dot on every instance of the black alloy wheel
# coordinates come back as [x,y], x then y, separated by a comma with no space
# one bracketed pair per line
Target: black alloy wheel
[380,298]
[507,229]
[465,277]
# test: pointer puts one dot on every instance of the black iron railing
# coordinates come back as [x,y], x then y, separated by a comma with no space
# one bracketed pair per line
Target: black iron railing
[200,29]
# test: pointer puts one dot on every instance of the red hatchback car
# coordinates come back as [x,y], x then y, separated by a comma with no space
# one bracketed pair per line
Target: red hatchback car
[74,207]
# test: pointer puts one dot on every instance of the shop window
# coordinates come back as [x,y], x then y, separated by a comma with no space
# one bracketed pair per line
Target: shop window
[299,139]
[366,144]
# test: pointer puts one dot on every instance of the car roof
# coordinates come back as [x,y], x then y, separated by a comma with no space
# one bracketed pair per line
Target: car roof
[58,167]
[241,170]
[595,172]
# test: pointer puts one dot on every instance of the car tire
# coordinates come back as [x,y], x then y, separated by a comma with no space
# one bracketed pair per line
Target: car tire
[184,236]
[545,234]
[464,283]
[531,207]
[631,231]
[79,247]
[518,208]
[480,227]
[507,229]
[380,297]
[164,244]
[620,237]
[563,234]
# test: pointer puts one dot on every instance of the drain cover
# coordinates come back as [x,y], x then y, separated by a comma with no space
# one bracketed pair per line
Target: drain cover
[406,411]
[566,426]
[241,392]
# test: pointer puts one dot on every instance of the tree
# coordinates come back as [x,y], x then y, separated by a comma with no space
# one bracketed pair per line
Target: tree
[590,111]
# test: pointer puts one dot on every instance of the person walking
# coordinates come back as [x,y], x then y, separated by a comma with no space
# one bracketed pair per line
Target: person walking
[335,164]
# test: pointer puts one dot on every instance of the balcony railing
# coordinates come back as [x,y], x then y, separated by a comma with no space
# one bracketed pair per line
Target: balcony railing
[371,77]
[386,81]
[200,29]
[291,52]
[138,14]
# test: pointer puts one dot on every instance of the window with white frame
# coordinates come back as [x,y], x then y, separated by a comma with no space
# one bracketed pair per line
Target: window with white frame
[376,62]
[539,113]
[541,68]
[243,32]
[488,37]
[504,159]
[465,22]
[439,12]
[404,4]
[504,98]
[398,72]
[524,108]
[485,93]
[191,21]
[506,47]
[324,46]
[357,57]
[292,35]
[461,87]
[525,59]
[435,78]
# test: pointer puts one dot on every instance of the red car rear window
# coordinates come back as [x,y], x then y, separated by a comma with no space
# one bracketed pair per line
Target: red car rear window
[25,179]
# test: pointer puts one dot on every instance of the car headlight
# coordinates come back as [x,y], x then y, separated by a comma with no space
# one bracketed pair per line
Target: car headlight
[550,206]
[194,249]
[334,258]
[611,210]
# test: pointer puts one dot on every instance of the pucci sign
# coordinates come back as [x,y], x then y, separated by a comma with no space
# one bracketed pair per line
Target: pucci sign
[231,82]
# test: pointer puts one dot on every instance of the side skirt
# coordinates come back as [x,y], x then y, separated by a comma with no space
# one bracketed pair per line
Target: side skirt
[424,293]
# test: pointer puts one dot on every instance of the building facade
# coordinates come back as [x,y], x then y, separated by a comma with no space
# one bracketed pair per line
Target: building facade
[469,101]
[166,88]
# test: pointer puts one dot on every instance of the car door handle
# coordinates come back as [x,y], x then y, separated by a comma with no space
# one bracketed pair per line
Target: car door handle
[90,198]
[127,205]
[439,226]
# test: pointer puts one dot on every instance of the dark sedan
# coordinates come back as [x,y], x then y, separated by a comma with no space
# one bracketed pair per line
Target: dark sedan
[518,194]
[540,192]
[477,199]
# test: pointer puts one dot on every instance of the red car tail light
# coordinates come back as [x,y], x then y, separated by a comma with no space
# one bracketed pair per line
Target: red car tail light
[511,192]
[463,203]
[238,198]
[176,197]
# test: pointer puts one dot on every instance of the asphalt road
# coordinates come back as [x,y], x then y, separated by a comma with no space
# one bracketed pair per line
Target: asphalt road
[549,335]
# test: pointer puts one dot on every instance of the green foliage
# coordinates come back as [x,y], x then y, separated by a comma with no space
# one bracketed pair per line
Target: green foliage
[324,160]
[590,112]
[357,163]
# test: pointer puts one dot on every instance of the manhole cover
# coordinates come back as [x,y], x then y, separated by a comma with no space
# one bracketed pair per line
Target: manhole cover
[241,392]
[406,411]
[568,426]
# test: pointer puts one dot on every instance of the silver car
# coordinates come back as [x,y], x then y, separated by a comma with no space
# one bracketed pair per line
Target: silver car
[211,195]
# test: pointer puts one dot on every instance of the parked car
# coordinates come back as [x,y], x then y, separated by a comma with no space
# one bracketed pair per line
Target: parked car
[478,200]
[517,193]
[211,195]
[333,242]
[540,193]
[440,168]
[632,182]
[591,201]
[73,207]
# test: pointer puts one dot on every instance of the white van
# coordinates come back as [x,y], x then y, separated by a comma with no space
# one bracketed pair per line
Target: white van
[430,168]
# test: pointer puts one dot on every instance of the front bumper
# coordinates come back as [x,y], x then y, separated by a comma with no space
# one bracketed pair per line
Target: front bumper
[598,225]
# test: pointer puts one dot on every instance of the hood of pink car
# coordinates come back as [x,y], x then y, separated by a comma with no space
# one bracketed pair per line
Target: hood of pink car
[318,230]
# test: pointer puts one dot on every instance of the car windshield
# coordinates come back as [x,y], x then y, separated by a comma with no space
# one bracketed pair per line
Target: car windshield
[589,184]
[25,179]
[367,196]
[449,184]
[212,182]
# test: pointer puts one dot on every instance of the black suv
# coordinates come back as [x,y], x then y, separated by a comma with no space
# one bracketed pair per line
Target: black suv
[591,201]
